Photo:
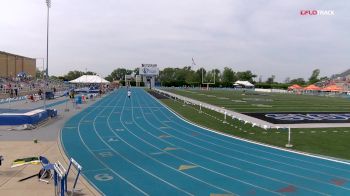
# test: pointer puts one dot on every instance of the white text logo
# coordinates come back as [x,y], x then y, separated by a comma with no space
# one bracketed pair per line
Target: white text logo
[317,12]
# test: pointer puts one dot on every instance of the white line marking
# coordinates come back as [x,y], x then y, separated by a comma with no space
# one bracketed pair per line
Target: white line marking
[234,137]
[98,159]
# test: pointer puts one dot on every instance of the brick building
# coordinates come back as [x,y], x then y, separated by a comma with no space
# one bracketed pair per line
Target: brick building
[12,64]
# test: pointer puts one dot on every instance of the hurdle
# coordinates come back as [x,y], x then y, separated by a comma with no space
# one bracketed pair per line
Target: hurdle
[60,179]
[77,167]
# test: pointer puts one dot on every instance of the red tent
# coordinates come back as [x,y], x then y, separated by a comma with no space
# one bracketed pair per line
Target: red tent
[333,88]
[294,87]
[312,88]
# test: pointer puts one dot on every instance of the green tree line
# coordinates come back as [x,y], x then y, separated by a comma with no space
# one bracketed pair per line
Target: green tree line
[187,76]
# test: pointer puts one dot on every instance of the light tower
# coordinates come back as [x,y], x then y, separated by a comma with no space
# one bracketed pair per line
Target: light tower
[48,4]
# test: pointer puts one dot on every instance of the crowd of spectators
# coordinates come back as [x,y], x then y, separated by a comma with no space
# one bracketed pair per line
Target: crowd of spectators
[14,87]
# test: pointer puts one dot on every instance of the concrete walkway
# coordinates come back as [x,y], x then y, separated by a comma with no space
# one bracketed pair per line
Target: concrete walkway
[16,144]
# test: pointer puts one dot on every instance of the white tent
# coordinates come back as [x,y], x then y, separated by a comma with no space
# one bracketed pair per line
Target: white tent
[89,79]
[243,83]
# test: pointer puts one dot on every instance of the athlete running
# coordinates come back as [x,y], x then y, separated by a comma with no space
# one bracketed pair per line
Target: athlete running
[129,94]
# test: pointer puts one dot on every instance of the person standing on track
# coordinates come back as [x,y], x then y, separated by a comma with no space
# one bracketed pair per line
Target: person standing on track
[129,94]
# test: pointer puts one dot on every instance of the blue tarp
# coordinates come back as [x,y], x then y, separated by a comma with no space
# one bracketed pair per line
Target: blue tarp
[78,100]
[49,95]
[32,117]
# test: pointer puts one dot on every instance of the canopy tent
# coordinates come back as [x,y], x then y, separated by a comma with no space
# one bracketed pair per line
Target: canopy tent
[89,79]
[312,88]
[333,88]
[243,83]
[295,87]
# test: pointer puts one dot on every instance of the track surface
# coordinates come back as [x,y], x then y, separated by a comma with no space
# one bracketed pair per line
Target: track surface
[138,147]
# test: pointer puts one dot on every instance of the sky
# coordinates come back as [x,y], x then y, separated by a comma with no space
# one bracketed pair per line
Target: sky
[268,37]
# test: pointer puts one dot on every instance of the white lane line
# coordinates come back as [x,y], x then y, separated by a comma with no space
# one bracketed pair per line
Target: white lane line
[95,170]
[99,150]
[315,171]
[261,144]
[99,160]
[277,180]
[324,173]
[210,170]
[132,163]
[175,169]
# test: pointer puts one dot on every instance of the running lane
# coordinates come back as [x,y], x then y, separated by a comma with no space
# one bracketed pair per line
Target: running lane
[136,146]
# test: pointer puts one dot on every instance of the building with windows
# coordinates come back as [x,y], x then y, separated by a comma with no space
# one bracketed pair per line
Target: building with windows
[12,64]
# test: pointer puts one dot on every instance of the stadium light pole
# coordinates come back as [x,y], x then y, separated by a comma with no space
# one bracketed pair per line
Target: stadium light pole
[48,4]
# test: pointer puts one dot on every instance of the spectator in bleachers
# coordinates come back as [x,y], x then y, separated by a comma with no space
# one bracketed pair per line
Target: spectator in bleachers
[11,92]
[40,92]
[26,86]
[16,90]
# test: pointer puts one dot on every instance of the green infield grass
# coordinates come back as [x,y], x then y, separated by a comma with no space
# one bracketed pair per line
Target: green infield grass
[250,101]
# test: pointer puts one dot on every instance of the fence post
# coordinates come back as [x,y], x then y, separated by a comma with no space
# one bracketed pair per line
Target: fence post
[225,113]
[289,145]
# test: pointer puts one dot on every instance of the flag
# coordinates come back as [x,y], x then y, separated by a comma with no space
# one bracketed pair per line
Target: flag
[193,63]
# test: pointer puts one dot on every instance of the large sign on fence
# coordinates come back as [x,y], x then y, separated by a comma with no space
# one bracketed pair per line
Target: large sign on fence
[149,70]
[302,117]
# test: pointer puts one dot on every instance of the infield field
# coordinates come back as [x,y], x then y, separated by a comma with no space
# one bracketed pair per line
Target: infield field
[250,101]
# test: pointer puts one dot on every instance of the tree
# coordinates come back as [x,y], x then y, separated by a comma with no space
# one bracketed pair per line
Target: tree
[209,77]
[71,75]
[137,71]
[246,76]
[54,78]
[314,76]
[217,75]
[324,78]
[180,74]
[191,77]
[62,78]
[39,74]
[287,80]
[89,73]
[199,73]
[167,75]
[299,81]
[228,76]
[119,74]
[271,79]
[109,78]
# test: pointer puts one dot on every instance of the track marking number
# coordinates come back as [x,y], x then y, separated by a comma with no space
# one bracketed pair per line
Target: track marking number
[103,177]
[106,154]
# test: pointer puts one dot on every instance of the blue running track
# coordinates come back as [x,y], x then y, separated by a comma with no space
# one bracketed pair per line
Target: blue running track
[137,146]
